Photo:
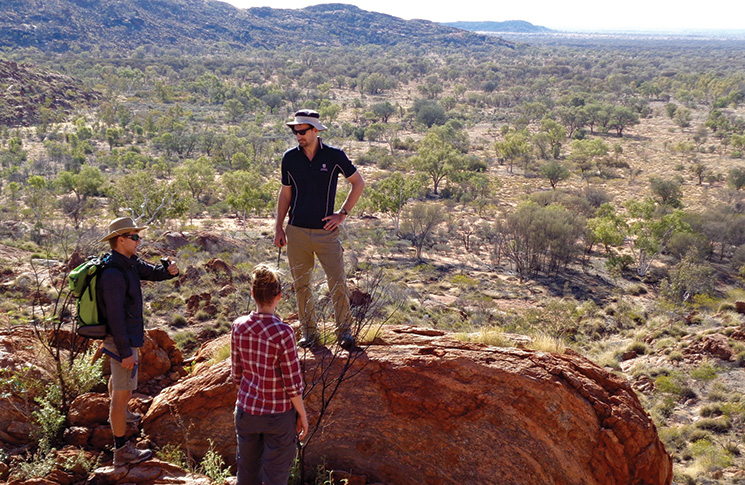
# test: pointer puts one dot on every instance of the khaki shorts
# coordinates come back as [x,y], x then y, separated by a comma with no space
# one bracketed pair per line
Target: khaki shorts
[121,379]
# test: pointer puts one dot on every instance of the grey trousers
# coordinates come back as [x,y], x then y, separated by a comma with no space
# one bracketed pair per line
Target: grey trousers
[266,447]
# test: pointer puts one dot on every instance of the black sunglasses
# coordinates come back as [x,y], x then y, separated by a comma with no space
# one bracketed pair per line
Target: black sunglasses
[301,132]
[134,237]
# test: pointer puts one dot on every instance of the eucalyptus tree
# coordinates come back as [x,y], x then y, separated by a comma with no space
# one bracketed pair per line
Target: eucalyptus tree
[437,158]
[394,192]
[419,221]
[383,110]
[650,231]
[555,172]
[621,117]
[89,181]
[539,238]
[147,198]
[197,177]
[515,148]
[585,155]
[39,204]
[736,178]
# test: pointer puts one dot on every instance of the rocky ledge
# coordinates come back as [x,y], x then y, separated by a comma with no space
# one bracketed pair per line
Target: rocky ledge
[420,406]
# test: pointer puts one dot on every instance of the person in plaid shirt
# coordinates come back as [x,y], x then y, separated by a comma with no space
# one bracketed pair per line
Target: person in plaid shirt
[269,411]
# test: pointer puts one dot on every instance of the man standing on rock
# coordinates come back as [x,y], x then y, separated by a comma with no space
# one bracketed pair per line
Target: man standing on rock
[120,300]
[310,173]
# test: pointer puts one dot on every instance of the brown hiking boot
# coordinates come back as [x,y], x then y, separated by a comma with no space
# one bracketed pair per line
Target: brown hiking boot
[129,455]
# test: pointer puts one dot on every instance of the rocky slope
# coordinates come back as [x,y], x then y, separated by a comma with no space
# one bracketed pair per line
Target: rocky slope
[27,90]
[423,407]
[420,407]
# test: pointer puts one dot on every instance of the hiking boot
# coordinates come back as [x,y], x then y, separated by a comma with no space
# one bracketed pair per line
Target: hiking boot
[347,342]
[129,455]
[308,342]
[133,417]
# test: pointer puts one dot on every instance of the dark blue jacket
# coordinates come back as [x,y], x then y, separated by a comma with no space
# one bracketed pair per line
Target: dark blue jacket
[121,301]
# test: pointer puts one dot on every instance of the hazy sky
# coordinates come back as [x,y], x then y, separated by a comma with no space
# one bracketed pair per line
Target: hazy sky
[561,15]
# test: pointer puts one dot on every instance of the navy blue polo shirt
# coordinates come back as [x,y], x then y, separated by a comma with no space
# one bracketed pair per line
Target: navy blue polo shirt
[314,183]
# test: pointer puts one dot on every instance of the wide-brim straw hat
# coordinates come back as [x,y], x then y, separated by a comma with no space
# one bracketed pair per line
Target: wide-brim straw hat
[307,117]
[122,225]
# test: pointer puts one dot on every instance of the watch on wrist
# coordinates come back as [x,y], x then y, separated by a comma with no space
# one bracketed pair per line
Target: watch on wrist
[343,211]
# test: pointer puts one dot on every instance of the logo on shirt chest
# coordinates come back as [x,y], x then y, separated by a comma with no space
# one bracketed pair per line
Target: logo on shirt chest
[324,168]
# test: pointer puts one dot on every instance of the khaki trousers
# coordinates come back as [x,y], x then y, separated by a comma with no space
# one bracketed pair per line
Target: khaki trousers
[303,246]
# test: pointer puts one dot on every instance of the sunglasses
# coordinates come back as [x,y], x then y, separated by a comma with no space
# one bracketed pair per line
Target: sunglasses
[134,237]
[301,132]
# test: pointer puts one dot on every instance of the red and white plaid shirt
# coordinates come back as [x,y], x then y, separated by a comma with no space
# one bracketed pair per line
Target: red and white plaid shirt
[265,364]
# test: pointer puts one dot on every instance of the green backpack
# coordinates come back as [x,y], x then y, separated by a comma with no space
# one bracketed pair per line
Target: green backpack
[84,287]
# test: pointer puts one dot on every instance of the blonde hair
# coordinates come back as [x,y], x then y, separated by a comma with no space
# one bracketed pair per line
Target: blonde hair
[265,285]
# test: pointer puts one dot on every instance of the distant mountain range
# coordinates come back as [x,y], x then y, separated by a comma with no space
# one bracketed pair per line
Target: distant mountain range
[61,25]
[517,26]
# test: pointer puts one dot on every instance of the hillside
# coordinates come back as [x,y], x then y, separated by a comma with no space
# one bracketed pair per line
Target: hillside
[517,26]
[30,95]
[62,25]
[536,237]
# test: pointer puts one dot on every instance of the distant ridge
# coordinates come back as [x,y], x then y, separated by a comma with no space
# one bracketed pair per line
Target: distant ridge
[517,26]
[79,25]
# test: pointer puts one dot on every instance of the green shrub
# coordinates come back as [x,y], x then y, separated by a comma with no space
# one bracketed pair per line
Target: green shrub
[683,478]
[488,335]
[717,425]
[675,356]
[668,384]
[637,289]
[726,307]
[732,448]
[48,421]
[705,372]
[165,304]
[709,457]
[672,436]
[179,321]
[85,373]
[664,343]
[202,315]
[733,408]
[710,411]
[213,465]
[695,434]
[220,354]
[463,280]
[704,302]
[41,464]
[79,462]
[222,326]
[173,454]
[639,347]
[665,407]
[185,340]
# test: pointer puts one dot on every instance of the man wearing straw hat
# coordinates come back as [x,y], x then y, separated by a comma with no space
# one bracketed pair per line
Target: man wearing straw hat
[310,173]
[121,302]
